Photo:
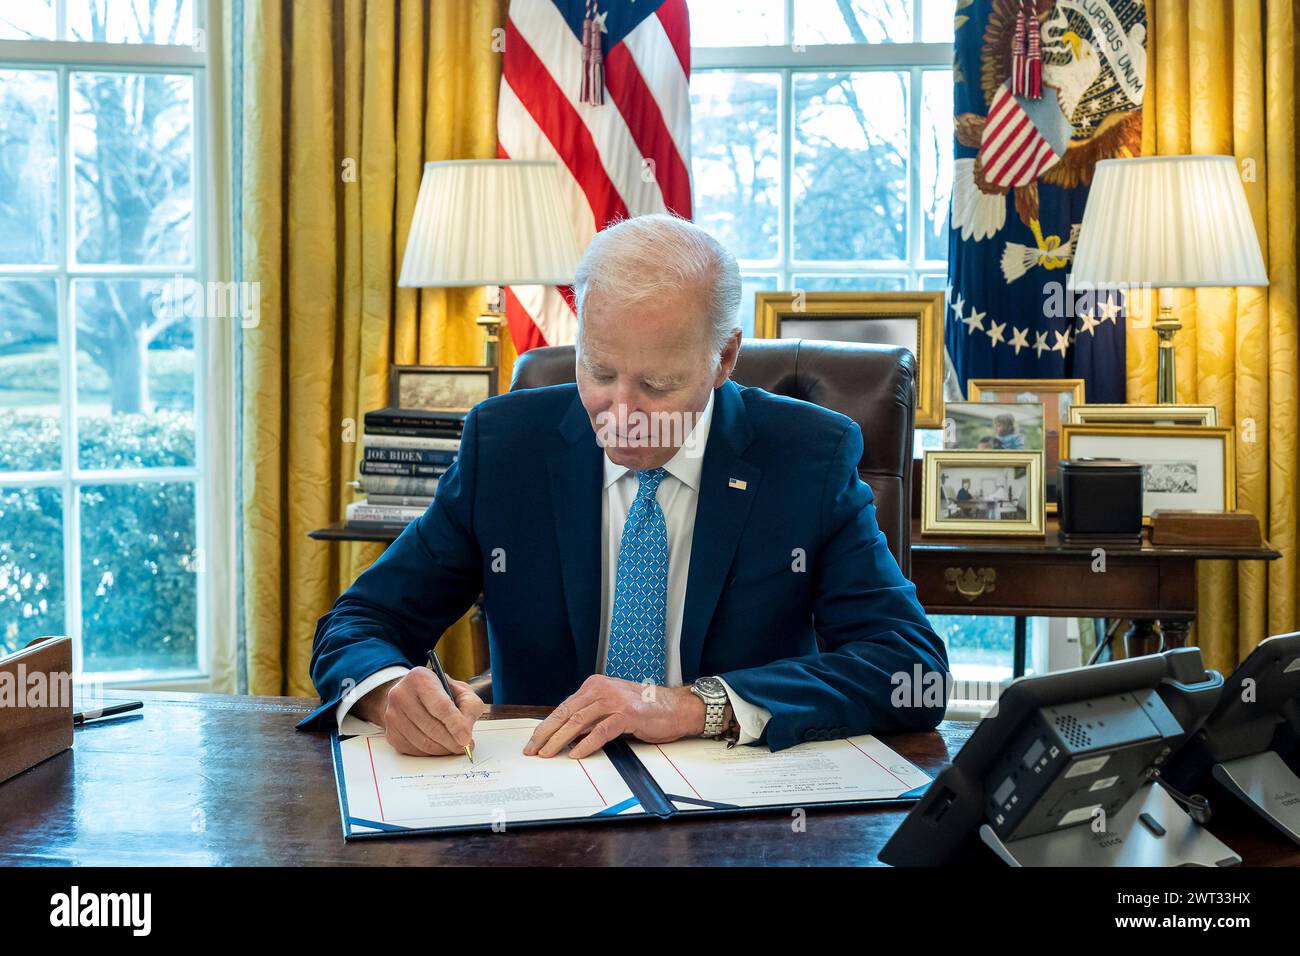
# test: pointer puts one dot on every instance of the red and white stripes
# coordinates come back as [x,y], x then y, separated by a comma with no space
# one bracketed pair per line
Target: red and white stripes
[626,156]
[1012,152]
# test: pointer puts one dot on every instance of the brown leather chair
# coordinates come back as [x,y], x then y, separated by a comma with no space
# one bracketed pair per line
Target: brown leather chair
[874,385]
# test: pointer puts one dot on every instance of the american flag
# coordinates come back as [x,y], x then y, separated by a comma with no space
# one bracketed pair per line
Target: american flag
[621,140]
[1022,139]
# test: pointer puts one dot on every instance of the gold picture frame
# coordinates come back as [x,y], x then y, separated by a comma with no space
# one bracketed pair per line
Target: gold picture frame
[1155,415]
[1146,435]
[1054,414]
[776,312]
[938,505]
[440,388]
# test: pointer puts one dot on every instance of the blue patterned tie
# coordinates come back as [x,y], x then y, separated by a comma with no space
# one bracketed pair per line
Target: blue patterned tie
[637,626]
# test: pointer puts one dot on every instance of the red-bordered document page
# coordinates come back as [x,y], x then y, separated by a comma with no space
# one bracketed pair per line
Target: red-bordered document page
[383,790]
[699,774]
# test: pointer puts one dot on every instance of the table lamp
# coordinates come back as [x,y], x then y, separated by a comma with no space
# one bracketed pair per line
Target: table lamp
[1167,222]
[493,223]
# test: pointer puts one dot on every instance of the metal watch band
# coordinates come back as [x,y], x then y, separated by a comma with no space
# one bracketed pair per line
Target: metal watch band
[715,705]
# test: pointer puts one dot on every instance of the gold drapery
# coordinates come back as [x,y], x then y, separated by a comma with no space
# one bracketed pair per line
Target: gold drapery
[343,104]
[1221,79]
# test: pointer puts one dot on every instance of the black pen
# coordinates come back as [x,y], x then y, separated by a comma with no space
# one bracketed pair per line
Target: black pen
[112,711]
[435,665]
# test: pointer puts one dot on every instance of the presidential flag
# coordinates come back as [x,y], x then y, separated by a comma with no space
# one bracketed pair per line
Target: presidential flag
[1023,164]
[601,88]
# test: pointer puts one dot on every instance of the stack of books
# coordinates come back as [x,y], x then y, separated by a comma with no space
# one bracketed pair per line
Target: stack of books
[405,451]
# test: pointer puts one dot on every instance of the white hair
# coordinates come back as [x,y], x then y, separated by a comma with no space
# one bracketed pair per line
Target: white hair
[646,257]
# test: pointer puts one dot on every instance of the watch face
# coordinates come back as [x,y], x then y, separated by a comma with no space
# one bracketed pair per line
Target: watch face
[711,687]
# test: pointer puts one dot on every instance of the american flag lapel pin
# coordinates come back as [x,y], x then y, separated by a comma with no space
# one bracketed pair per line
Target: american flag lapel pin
[737,483]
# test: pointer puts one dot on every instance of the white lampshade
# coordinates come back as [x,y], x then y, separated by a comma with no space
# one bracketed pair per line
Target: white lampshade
[1167,222]
[489,222]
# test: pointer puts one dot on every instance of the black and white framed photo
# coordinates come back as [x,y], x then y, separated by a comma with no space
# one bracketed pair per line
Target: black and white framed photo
[1183,466]
[985,493]
[440,388]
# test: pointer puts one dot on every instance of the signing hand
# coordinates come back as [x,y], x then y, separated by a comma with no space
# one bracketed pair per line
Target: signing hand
[606,707]
[419,718]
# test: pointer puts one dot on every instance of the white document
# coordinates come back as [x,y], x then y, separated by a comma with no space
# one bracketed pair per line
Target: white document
[697,774]
[383,790]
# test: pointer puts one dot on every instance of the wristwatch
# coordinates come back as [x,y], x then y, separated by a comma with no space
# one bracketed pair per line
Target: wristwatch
[714,694]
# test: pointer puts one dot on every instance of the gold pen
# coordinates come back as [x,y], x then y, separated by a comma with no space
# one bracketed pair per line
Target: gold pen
[435,665]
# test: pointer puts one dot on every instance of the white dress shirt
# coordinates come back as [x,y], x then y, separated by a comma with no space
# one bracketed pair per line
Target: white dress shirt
[677,495]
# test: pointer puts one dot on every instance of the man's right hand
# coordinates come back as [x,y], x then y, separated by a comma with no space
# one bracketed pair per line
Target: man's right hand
[419,718]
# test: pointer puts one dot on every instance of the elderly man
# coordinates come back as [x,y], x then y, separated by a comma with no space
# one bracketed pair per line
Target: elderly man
[658,548]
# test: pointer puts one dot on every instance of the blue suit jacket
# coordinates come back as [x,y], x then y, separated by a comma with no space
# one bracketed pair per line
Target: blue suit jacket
[795,555]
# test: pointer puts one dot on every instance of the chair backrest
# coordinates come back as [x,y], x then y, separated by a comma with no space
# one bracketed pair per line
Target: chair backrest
[874,385]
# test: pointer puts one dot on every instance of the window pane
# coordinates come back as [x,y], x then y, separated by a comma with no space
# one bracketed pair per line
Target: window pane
[936,161]
[29,376]
[748,286]
[29,166]
[31,565]
[28,20]
[132,135]
[131,21]
[980,648]
[821,282]
[737,22]
[850,165]
[939,17]
[135,375]
[854,21]
[934,283]
[736,160]
[138,577]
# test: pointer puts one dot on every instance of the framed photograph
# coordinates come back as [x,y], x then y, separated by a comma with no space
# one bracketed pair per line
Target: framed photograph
[1085,414]
[912,320]
[984,493]
[1057,395]
[1183,466]
[440,388]
[993,426]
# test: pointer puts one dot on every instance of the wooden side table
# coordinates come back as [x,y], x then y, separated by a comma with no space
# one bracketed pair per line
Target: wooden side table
[1028,577]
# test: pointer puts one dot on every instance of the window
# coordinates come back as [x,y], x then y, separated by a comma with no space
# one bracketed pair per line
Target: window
[102,227]
[822,140]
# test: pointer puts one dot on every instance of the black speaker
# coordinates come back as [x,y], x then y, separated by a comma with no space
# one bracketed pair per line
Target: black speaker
[1100,502]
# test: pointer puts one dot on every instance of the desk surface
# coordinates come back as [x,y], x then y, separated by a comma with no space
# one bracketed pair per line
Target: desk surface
[209,779]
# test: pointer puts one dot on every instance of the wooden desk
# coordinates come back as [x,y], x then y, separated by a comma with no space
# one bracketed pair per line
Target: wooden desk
[209,779]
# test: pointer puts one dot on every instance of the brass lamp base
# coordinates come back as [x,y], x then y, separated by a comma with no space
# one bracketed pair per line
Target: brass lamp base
[490,322]
[1166,326]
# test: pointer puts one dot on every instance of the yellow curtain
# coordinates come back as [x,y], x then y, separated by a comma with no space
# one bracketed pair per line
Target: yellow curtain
[343,104]
[1221,79]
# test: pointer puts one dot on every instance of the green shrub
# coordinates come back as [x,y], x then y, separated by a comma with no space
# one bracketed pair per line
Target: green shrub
[139,594]
[171,376]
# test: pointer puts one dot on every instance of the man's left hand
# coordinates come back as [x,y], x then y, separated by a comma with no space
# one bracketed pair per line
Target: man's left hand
[607,707]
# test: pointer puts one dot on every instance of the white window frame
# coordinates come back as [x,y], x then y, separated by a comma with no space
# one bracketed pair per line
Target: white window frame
[785,61]
[65,57]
